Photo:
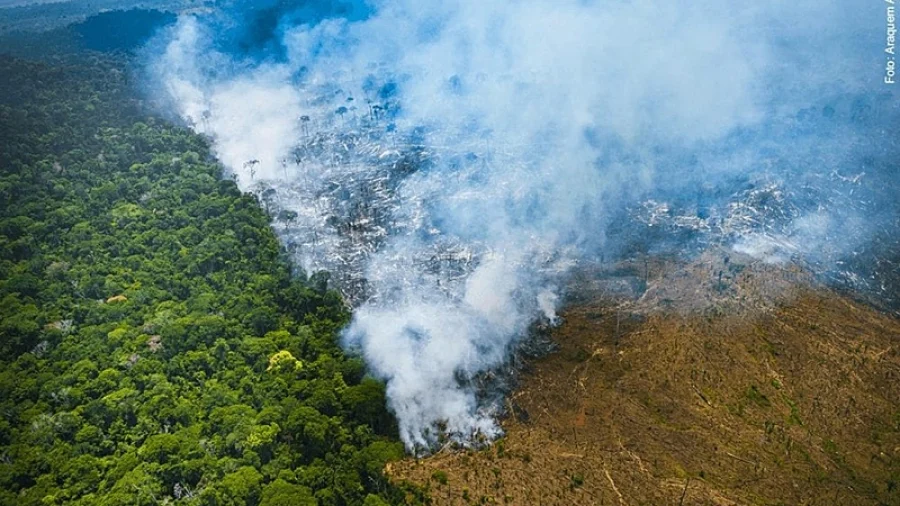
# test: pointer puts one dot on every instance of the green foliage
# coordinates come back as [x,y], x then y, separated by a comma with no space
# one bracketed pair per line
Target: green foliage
[282,493]
[440,477]
[155,346]
[284,361]
[577,480]
[756,397]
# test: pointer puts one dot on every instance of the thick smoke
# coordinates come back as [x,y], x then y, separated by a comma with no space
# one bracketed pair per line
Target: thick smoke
[449,161]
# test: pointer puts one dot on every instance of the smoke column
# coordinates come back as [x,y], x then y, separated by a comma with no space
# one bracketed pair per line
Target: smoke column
[450,161]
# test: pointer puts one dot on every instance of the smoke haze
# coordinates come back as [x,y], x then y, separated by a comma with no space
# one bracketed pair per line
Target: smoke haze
[450,161]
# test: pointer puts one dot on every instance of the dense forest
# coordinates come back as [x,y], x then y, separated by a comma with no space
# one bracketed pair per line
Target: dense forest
[156,346]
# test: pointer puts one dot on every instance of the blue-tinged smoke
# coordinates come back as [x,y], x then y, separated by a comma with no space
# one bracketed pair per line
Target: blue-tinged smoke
[450,161]
[255,29]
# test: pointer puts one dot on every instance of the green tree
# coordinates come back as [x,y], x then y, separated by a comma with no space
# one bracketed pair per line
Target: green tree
[282,493]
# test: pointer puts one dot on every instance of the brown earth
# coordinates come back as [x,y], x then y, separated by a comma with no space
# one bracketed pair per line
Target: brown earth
[794,401]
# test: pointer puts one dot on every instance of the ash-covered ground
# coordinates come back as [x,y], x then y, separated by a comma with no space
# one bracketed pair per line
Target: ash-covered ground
[343,195]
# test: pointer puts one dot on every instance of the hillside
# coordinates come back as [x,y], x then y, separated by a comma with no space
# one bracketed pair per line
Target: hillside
[274,252]
[787,398]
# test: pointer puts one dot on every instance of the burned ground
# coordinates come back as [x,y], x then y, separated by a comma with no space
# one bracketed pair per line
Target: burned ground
[786,398]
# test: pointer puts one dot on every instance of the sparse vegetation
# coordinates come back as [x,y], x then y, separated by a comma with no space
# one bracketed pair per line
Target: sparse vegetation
[577,480]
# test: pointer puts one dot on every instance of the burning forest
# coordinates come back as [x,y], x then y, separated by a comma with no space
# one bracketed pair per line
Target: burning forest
[453,167]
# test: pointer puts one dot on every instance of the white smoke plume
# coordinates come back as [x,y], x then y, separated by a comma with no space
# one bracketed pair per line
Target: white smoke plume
[449,161]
